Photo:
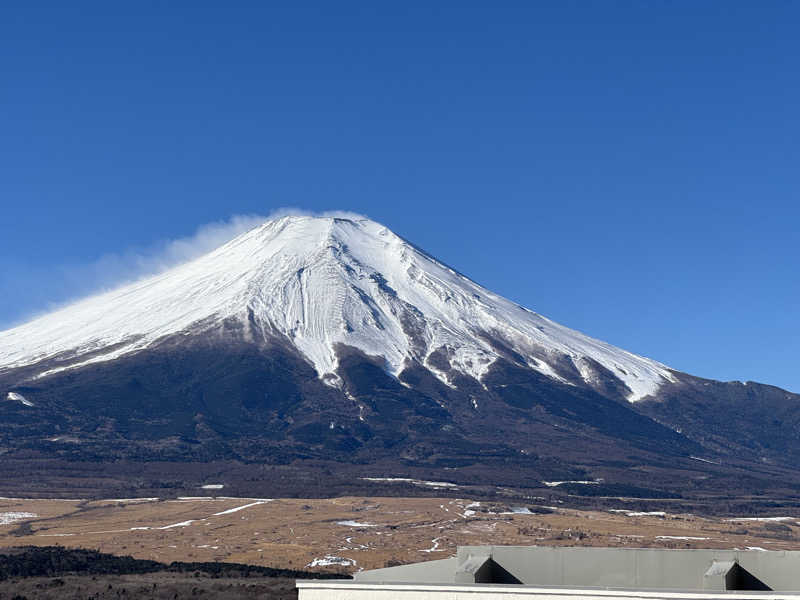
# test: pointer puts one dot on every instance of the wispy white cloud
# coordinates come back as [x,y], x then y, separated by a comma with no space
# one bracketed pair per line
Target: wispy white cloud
[46,289]
[116,268]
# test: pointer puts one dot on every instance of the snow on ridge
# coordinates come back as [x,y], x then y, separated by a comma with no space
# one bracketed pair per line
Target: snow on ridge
[582,482]
[16,397]
[419,482]
[321,282]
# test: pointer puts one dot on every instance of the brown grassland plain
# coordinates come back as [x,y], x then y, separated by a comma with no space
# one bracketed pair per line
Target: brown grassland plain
[352,533]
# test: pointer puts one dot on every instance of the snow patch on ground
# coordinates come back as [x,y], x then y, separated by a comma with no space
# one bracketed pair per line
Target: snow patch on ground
[7,518]
[238,508]
[761,519]
[196,498]
[435,547]
[181,524]
[217,514]
[652,513]
[49,499]
[329,561]
[516,510]
[680,537]
[468,512]
[628,513]
[355,524]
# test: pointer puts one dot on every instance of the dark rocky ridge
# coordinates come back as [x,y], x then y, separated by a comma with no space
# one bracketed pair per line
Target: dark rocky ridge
[218,361]
[200,399]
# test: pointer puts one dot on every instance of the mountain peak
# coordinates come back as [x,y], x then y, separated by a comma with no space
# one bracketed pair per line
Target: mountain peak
[322,283]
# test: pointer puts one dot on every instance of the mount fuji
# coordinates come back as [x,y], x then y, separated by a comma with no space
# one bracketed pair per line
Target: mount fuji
[319,283]
[311,340]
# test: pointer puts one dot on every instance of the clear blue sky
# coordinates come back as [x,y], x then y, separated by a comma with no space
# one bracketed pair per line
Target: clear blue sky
[629,169]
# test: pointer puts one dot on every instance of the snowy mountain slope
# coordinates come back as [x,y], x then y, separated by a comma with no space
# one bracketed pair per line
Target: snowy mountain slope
[332,348]
[321,282]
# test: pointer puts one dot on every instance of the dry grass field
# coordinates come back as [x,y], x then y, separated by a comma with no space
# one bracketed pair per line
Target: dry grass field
[352,533]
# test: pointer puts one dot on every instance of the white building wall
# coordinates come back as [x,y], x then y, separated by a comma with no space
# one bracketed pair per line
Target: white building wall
[347,590]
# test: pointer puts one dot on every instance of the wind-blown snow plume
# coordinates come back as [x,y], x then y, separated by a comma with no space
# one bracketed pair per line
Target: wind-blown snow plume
[66,283]
[58,286]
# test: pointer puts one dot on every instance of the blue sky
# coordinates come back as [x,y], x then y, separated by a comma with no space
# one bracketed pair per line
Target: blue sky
[629,169]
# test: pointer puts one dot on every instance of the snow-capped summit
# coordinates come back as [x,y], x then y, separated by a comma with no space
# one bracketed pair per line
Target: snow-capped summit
[321,282]
[334,350]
